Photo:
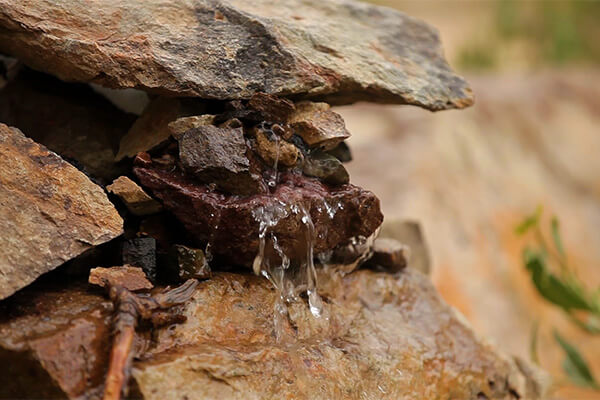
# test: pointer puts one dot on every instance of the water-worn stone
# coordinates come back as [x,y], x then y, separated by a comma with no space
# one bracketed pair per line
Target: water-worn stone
[325,167]
[131,278]
[230,225]
[54,343]
[136,200]
[389,255]
[188,263]
[151,129]
[275,150]
[141,252]
[339,51]
[69,119]
[318,125]
[49,211]
[386,337]
[219,156]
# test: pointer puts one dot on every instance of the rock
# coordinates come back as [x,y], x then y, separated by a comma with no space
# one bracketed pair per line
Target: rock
[230,225]
[341,152]
[219,156]
[272,108]
[54,343]
[131,278]
[141,252]
[318,125]
[325,167]
[49,211]
[340,51]
[181,125]
[409,233]
[389,255]
[386,337]
[151,129]
[69,119]
[188,263]
[136,200]
[274,150]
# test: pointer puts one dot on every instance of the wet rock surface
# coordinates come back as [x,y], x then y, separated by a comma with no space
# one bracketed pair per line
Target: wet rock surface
[318,125]
[230,223]
[340,51]
[141,252]
[325,167]
[188,263]
[50,212]
[387,337]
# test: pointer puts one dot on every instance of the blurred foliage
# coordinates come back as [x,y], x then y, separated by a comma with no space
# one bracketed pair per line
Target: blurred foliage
[556,281]
[553,32]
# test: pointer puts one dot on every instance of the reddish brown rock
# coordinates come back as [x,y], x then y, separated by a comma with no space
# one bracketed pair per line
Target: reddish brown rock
[318,125]
[272,108]
[54,343]
[49,211]
[231,223]
[339,51]
[136,200]
[131,278]
[387,337]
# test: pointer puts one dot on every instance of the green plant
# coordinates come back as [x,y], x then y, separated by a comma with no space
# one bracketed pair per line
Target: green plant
[556,281]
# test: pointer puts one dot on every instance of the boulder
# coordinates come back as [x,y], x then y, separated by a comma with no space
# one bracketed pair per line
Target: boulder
[136,200]
[231,223]
[386,337]
[49,211]
[340,51]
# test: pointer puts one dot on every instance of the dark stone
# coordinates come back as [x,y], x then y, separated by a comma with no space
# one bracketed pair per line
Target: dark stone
[229,224]
[272,108]
[325,167]
[341,152]
[141,252]
[219,156]
[188,263]
[388,255]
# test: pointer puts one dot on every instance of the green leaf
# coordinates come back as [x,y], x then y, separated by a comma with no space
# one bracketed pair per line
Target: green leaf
[575,366]
[568,296]
[529,222]
[556,236]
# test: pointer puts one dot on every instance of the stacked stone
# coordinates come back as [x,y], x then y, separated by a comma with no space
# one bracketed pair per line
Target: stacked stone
[232,114]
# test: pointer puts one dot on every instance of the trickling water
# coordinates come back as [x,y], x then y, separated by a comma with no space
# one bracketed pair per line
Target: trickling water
[273,181]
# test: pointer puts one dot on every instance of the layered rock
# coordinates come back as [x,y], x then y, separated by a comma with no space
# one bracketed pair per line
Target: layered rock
[386,337]
[341,51]
[50,212]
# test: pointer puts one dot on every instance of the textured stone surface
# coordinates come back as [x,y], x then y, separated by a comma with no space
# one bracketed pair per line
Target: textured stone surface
[69,119]
[318,125]
[141,252]
[136,200]
[387,338]
[188,263]
[339,51]
[49,211]
[230,224]
[219,156]
[325,167]
[54,343]
[410,234]
[131,278]
[389,255]
[274,150]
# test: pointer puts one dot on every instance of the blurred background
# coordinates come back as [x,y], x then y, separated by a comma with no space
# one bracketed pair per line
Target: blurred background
[471,178]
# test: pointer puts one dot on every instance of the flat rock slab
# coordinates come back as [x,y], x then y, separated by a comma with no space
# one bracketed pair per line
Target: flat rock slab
[49,211]
[387,337]
[340,51]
